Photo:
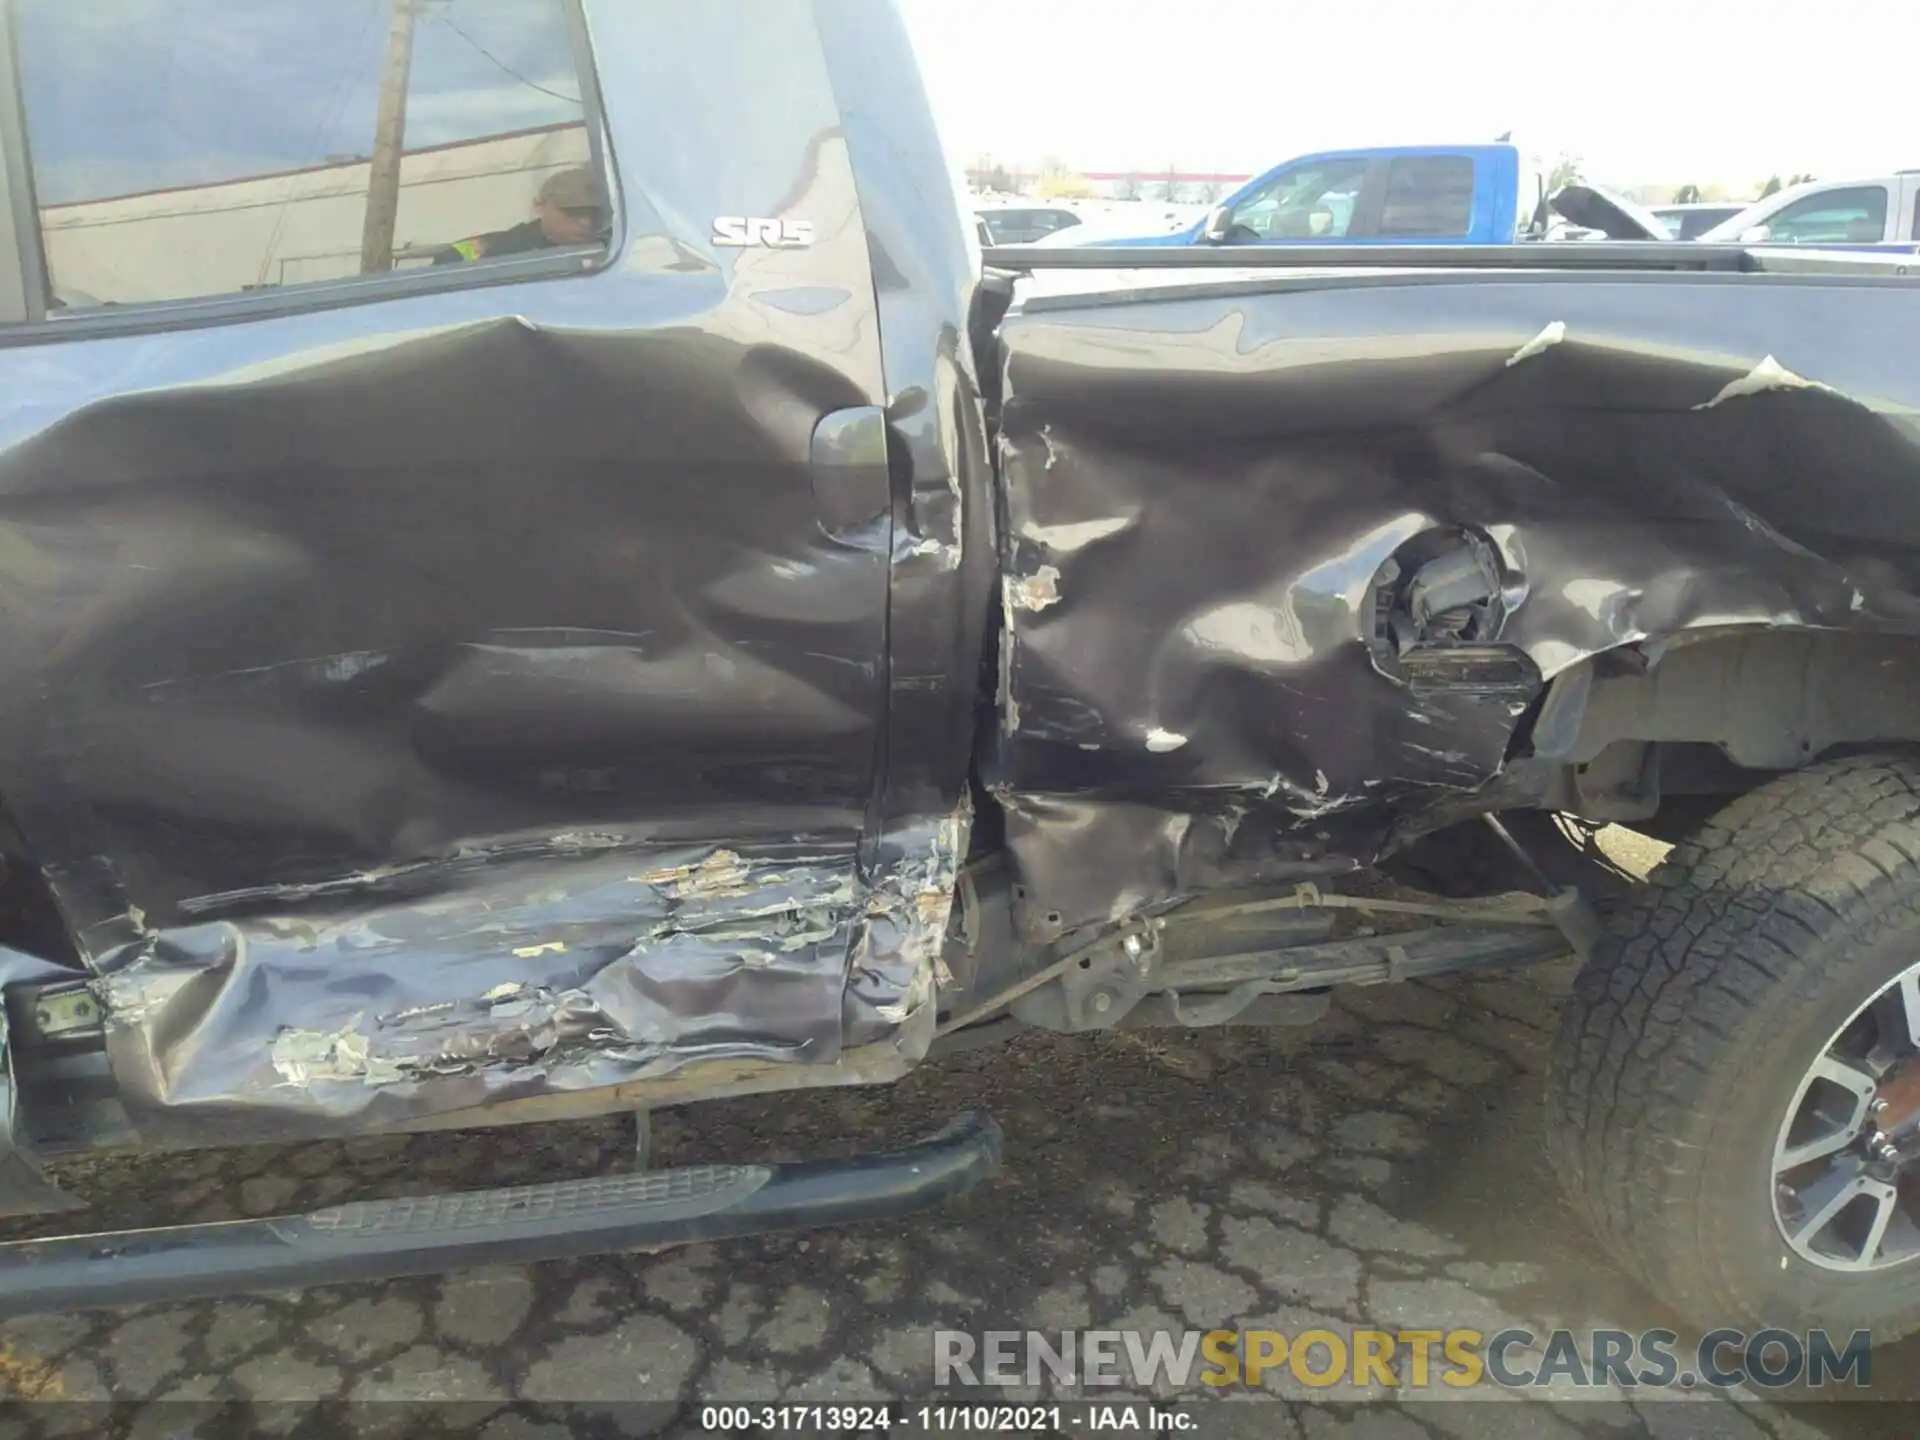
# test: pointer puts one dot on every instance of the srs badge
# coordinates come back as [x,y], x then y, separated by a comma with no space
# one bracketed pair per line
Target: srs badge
[742,231]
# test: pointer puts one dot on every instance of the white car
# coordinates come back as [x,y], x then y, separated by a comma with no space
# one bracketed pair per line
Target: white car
[1881,210]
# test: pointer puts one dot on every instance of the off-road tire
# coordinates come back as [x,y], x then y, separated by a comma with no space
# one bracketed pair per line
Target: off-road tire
[1715,987]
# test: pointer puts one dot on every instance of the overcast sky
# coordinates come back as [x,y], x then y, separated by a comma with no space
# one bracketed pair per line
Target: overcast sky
[1704,90]
[126,94]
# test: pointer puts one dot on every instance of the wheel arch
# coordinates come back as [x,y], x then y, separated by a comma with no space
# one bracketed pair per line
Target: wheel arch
[1715,712]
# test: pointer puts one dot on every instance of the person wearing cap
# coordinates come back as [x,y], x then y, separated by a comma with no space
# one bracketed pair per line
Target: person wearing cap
[571,209]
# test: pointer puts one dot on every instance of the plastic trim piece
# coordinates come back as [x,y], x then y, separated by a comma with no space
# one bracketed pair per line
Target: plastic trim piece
[380,1240]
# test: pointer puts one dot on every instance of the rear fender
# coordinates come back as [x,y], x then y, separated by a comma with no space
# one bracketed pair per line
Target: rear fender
[1290,563]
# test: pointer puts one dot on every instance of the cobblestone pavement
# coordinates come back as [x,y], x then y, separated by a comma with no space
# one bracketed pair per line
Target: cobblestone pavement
[1381,1167]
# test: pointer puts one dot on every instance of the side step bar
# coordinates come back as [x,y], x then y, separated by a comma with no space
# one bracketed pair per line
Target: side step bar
[382,1239]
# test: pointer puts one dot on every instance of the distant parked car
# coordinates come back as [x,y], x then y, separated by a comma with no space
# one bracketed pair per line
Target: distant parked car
[1883,210]
[1691,221]
[1024,225]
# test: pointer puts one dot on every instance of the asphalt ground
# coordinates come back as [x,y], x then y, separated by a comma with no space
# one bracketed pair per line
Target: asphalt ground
[1381,1168]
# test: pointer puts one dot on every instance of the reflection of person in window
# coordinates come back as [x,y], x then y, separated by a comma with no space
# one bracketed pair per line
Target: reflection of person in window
[571,209]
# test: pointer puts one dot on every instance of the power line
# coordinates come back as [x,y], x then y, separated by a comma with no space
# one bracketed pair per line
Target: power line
[329,117]
[570,99]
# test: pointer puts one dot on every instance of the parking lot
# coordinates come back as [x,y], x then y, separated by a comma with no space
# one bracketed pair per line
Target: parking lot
[1383,1167]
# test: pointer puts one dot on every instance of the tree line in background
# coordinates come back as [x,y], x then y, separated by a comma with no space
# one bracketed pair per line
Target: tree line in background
[1695,195]
[1056,180]
[1568,171]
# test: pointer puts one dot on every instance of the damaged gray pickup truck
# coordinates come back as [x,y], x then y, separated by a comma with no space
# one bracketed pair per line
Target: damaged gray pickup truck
[767,644]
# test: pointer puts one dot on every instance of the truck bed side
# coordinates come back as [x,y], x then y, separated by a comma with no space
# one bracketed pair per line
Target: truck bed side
[1295,565]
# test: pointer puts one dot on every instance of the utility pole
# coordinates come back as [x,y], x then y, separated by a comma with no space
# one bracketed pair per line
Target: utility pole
[389,142]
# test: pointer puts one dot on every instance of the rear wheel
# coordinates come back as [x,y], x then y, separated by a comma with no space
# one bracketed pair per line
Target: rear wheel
[1735,1103]
[1680,817]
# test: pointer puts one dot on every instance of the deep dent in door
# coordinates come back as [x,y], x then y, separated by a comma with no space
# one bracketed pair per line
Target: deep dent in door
[253,986]
[476,699]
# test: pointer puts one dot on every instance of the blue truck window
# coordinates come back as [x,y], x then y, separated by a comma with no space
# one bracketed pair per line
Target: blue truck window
[183,149]
[1310,201]
[1857,215]
[1429,196]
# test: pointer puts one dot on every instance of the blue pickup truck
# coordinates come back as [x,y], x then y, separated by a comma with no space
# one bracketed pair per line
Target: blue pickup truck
[1411,194]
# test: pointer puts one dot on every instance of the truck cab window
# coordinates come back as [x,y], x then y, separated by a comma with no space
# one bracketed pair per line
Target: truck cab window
[1834,217]
[1313,201]
[1428,195]
[183,149]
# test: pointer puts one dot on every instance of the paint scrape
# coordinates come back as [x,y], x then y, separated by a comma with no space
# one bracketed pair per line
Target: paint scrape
[1065,539]
[1162,741]
[1769,374]
[1549,337]
[1036,591]
[304,1058]
[1046,439]
[721,873]
[908,914]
